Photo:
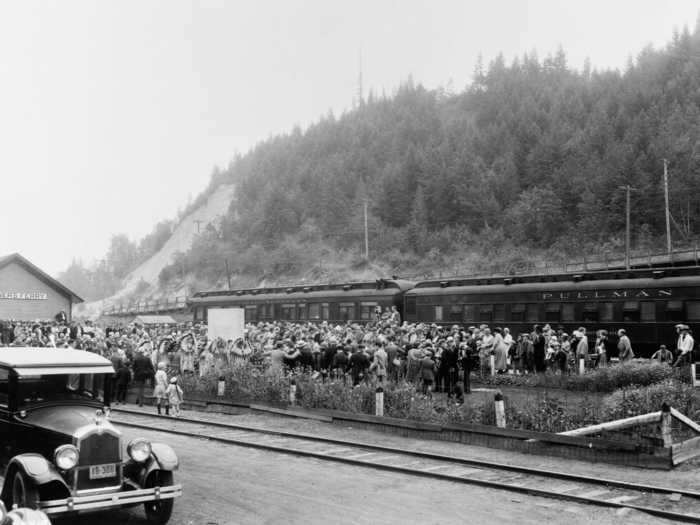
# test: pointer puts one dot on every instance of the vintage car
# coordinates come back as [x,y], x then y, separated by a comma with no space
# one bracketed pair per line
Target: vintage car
[61,452]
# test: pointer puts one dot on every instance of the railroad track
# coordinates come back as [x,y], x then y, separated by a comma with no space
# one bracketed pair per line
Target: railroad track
[664,502]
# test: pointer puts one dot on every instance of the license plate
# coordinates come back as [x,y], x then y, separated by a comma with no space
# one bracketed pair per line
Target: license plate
[103,471]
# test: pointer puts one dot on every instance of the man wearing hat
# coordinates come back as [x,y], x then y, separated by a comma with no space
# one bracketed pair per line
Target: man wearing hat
[684,345]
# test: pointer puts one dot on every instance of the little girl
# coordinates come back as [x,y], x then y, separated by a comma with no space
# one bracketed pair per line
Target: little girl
[174,395]
[161,385]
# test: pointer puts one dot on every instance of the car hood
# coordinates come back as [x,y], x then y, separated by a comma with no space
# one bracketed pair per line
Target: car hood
[63,419]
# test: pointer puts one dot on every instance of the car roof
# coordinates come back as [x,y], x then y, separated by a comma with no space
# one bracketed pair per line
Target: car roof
[28,357]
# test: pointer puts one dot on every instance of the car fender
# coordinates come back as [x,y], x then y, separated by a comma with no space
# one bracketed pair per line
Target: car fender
[165,456]
[36,467]
[162,457]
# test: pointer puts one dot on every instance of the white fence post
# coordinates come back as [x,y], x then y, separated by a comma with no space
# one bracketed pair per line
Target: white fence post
[500,410]
[379,402]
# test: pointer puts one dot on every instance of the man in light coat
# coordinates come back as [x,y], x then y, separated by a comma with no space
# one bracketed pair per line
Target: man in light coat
[624,346]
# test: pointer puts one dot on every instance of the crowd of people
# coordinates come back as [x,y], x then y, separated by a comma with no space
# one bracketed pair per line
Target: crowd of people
[438,358]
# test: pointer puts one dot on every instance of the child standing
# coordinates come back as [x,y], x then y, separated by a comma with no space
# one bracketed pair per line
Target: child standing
[161,385]
[174,396]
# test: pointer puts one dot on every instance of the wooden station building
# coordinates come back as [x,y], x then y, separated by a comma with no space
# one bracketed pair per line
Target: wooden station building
[27,293]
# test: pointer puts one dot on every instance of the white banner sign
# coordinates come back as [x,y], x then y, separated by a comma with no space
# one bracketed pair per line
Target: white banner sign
[227,323]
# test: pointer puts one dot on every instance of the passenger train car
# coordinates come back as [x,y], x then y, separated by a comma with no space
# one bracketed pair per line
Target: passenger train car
[335,303]
[646,303]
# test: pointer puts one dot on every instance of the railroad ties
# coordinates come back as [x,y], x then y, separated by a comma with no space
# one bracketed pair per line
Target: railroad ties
[666,502]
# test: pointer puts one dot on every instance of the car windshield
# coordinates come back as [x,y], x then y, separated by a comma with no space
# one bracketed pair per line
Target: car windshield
[60,387]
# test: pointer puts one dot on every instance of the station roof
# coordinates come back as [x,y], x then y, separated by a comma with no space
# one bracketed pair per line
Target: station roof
[40,274]
[36,361]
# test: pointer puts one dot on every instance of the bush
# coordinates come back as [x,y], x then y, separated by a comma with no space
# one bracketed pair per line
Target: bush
[633,400]
[549,414]
[639,372]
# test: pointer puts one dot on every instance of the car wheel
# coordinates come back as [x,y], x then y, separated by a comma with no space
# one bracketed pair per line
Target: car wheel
[24,492]
[158,512]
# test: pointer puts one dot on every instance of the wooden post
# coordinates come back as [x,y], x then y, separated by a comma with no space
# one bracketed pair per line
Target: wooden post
[221,386]
[292,392]
[492,364]
[693,376]
[379,402]
[581,366]
[666,425]
[500,410]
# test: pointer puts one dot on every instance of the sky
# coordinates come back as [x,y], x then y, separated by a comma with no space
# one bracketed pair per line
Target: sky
[113,114]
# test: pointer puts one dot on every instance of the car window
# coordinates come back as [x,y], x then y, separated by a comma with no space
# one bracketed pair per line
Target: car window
[4,386]
[60,387]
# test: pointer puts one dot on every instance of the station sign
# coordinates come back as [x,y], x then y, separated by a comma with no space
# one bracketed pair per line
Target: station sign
[25,296]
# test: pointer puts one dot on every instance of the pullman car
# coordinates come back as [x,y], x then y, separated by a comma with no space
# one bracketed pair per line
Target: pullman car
[335,303]
[646,303]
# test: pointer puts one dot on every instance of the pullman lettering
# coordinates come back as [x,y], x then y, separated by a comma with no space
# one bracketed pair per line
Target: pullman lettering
[608,294]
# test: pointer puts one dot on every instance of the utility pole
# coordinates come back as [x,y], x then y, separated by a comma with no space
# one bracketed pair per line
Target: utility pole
[668,213]
[228,274]
[628,189]
[366,234]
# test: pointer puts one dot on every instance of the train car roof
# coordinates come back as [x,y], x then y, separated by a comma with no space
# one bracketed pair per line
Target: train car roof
[609,275]
[446,288]
[380,287]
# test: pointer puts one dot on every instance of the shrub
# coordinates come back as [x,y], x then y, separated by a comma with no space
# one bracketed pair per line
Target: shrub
[639,372]
[633,400]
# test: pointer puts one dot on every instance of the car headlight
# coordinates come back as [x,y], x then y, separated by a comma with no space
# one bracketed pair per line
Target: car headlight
[66,457]
[139,450]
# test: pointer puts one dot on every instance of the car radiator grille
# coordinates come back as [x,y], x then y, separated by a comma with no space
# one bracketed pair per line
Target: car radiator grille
[98,449]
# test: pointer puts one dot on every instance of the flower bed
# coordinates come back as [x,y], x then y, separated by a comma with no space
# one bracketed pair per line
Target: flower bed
[246,382]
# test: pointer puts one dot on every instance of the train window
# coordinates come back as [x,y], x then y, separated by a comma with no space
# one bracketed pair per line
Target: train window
[314,311]
[410,306]
[456,313]
[517,313]
[251,313]
[269,310]
[674,311]
[438,313]
[568,312]
[346,311]
[648,311]
[607,312]
[532,313]
[325,311]
[485,313]
[552,312]
[630,311]
[590,313]
[366,310]
[199,313]
[301,308]
[469,313]
[499,313]
[693,309]
[289,312]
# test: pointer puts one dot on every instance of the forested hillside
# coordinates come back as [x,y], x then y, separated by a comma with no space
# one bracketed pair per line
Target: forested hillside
[526,163]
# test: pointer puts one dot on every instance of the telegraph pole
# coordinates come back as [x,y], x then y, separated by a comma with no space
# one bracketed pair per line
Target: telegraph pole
[668,213]
[628,189]
[228,274]
[366,234]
